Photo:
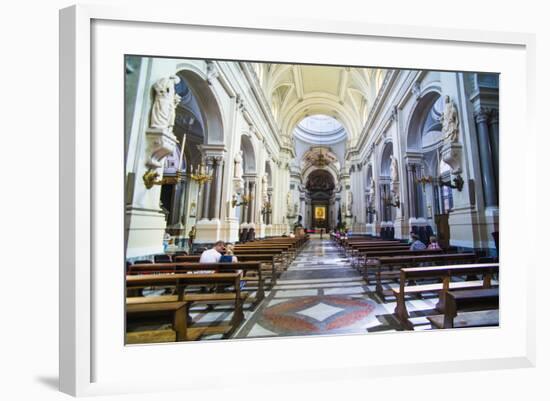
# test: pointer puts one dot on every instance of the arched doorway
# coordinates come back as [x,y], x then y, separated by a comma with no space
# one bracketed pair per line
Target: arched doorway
[428,202]
[198,123]
[320,186]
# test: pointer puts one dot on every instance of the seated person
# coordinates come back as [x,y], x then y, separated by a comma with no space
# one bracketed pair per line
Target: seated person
[416,244]
[212,255]
[229,256]
[433,243]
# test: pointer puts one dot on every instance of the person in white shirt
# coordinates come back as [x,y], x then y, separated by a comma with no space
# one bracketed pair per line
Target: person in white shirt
[211,255]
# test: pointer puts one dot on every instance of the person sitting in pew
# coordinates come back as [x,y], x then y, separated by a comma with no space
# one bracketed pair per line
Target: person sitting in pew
[229,256]
[212,255]
[433,243]
[416,244]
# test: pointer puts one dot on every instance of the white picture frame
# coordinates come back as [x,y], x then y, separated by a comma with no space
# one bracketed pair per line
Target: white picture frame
[90,361]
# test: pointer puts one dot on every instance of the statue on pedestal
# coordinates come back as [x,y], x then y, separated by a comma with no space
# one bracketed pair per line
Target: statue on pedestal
[449,121]
[349,203]
[393,169]
[238,160]
[163,112]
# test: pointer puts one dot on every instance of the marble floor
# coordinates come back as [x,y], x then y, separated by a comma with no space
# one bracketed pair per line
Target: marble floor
[320,293]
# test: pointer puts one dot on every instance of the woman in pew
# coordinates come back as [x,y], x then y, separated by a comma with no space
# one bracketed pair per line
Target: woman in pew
[229,254]
[433,243]
[416,244]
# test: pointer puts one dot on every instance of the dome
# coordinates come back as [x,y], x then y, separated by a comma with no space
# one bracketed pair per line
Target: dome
[320,129]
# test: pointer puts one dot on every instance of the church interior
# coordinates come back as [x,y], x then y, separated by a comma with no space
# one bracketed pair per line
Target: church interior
[266,200]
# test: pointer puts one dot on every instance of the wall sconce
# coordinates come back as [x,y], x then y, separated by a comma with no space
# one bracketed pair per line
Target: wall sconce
[389,202]
[424,180]
[458,183]
[150,178]
[200,175]
[245,200]
[266,209]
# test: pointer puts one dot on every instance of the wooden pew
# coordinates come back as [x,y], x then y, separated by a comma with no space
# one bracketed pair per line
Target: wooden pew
[182,281]
[177,310]
[359,253]
[392,262]
[352,248]
[443,273]
[285,250]
[396,251]
[479,309]
[179,267]
[264,258]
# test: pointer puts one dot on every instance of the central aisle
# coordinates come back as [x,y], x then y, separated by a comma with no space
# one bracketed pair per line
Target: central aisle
[320,293]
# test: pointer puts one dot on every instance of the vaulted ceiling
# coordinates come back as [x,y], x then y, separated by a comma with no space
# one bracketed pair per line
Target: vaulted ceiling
[297,91]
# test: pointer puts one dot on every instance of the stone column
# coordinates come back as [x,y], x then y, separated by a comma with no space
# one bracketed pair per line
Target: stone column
[486,159]
[206,211]
[494,139]
[252,208]
[218,177]
[244,208]
[411,173]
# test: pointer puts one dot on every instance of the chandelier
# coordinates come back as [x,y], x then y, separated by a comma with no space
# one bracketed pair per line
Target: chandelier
[320,160]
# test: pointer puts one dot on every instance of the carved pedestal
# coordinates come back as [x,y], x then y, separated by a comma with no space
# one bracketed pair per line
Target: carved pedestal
[452,155]
[160,143]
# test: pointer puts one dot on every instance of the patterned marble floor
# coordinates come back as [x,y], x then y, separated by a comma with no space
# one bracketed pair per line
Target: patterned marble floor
[320,293]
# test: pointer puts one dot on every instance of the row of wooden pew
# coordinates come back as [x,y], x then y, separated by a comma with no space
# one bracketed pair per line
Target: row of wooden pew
[230,284]
[467,290]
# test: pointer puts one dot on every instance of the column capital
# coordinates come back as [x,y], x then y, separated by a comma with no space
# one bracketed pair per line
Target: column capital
[494,116]
[482,116]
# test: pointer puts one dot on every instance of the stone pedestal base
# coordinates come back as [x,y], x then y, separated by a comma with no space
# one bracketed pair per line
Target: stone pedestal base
[401,229]
[145,232]
[208,231]
[370,229]
[464,228]
[359,228]
[230,230]
[260,232]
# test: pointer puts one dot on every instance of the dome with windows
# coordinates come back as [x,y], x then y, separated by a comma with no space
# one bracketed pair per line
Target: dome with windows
[321,129]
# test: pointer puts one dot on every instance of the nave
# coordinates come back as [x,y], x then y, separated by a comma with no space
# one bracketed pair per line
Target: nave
[250,162]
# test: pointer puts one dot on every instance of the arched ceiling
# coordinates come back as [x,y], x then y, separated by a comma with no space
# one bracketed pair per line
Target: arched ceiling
[298,91]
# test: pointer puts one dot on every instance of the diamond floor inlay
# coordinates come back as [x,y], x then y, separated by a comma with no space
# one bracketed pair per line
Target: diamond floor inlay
[320,312]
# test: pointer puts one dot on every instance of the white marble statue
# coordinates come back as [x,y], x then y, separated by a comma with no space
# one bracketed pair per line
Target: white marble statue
[349,203]
[393,169]
[449,121]
[289,203]
[163,113]
[264,188]
[238,164]
[372,192]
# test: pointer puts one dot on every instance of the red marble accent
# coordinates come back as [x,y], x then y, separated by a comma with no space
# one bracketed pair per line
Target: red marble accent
[285,318]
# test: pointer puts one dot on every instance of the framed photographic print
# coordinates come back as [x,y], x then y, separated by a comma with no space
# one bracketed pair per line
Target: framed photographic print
[197,155]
